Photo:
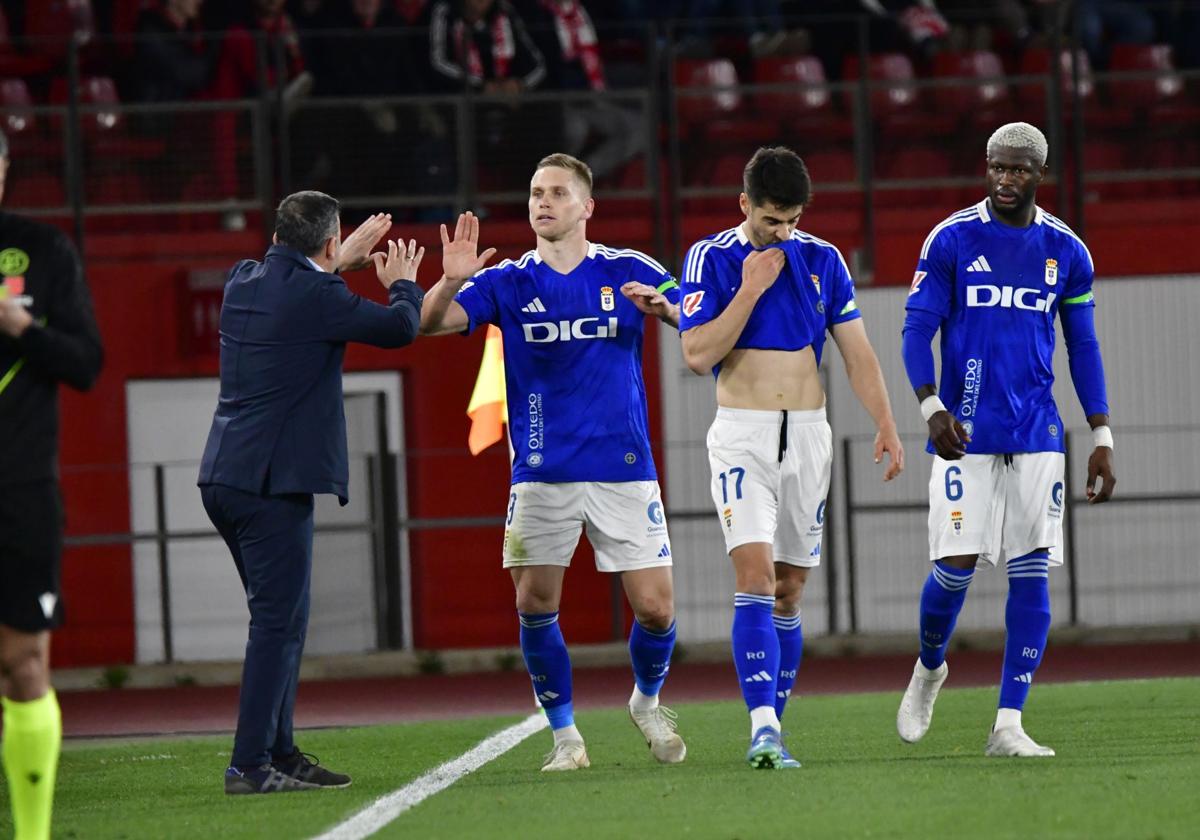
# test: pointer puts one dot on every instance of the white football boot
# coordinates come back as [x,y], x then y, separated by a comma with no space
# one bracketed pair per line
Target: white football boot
[569,755]
[1012,741]
[658,728]
[916,708]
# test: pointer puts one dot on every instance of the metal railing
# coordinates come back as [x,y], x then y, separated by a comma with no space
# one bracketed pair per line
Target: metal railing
[230,159]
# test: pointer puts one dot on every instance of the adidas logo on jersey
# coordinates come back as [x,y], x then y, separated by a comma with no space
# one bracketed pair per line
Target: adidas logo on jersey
[980,263]
[534,305]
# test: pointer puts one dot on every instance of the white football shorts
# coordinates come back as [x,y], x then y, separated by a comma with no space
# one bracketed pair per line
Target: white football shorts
[996,506]
[625,524]
[763,497]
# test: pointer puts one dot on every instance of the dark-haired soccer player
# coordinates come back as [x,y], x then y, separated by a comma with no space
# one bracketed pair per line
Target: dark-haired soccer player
[992,278]
[572,314]
[757,301]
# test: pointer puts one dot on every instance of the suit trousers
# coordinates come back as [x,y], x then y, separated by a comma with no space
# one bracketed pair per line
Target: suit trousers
[271,540]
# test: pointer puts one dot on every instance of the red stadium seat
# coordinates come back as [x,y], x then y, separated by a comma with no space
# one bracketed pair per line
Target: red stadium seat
[807,106]
[987,91]
[30,189]
[97,91]
[833,166]
[16,106]
[104,129]
[711,108]
[1036,62]
[895,100]
[1101,160]
[1159,100]
[913,162]
[707,90]
[894,89]
[1141,93]
[809,91]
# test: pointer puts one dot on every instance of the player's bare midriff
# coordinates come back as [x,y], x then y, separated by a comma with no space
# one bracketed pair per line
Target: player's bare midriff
[770,380]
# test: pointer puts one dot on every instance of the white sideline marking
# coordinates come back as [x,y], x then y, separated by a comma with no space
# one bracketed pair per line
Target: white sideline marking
[389,806]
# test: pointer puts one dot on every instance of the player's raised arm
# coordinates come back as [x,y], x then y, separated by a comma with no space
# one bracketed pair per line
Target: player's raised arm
[706,344]
[440,313]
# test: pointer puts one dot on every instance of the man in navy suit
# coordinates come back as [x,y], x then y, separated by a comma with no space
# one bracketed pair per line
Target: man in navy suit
[278,437]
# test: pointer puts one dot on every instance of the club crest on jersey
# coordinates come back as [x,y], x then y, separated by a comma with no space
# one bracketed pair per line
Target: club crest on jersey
[918,276]
[956,518]
[607,303]
[727,515]
[816,282]
[691,302]
[1051,272]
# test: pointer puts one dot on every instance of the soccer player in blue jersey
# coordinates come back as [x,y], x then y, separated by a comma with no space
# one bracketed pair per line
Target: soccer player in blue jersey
[757,301]
[572,315]
[992,278]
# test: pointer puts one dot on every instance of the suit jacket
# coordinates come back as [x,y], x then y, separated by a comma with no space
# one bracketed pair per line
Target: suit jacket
[280,426]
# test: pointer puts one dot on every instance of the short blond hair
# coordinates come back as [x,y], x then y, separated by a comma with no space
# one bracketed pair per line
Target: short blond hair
[572,164]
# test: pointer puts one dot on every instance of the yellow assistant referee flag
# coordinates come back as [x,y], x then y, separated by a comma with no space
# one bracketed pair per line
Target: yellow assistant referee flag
[488,408]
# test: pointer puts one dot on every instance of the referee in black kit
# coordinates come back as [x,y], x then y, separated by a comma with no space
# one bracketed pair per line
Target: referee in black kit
[48,335]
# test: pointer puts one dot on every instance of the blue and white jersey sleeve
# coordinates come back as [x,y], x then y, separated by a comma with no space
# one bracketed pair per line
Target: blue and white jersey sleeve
[478,297]
[843,306]
[933,282]
[700,293]
[663,281]
[1077,289]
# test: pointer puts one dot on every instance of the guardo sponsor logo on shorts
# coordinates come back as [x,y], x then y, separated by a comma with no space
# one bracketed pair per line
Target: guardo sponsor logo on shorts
[1056,498]
[815,530]
[654,512]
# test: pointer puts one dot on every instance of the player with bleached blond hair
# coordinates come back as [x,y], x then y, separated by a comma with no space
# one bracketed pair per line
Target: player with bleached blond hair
[992,279]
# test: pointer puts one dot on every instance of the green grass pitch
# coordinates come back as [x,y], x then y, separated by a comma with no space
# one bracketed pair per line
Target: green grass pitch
[1128,766]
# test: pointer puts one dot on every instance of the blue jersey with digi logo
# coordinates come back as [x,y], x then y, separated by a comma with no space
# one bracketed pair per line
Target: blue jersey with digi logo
[997,290]
[572,362]
[813,293]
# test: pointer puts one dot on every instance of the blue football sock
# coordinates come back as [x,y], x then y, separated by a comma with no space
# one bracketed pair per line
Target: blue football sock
[941,600]
[755,648]
[549,666]
[1027,622]
[650,653]
[791,648]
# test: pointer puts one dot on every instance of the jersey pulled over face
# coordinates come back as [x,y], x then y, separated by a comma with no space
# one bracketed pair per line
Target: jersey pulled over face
[572,362]
[998,290]
[813,293]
